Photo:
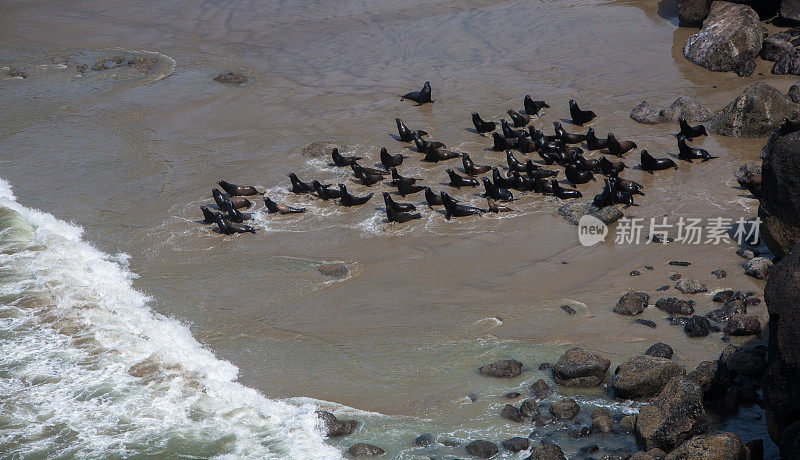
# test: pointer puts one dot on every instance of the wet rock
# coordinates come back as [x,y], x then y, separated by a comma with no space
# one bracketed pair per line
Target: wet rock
[16,73]
[757,267]
[724,296]
[568,310]
[794,93]
[320,148]
[482,448]
[660,350]
[663,288]
[673,417]
[757,112]
[743,325]
[719,273]
[644,376]
[692,13]
[697,326]
[645,322]
[546,451]
[627,423]
[734,306]
[690,286]
[635,273]
[545,366]
[424,440]
[573,211]
[565,409]
[109,63]
[790,9]
[617,454]
[516,444]
[773,48]
[677,320]
[679,263]
[683,107]
[787,64]
[579,367]
[449,442]
[231,78]
[590,449]
[632,303]
[729,40]
[601,420]
[512,395]
[333,427]
[529,408]
[510,412]
[540,389]
[744,176]
[143,64]
[333,270]
[711,447]
[675,306]
[779,207]
[712,376]
[745,253]
[748,361]
[504,368]
[361,449]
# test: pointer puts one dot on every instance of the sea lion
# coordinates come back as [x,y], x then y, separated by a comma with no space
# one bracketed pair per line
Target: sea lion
[690,132]
[208,216]
[434,199]
[650,164]
[525,145]
[619,148]
[543,185]
[273,207]
[536,172]
[501,144]
[564,193]
[237,190]
[523,184]
[229,228]
[593,143]
[580,117]
[687,153]
[608,196]
[752,184]
[437,155]
[513,163]
[358,169]
[397,207]
[397,179]
[574,176]
[498,193]
[624,197]
[471,168]
[324,192]
[548,157]
[495,207]
[392,215]
[368,179]
[346,199]
[342,161]
[390,161]
[407,135]
[533,107]
[519,120]
[610,168]
[482,126]
[406,189]
[233,214]
[629,186]
[459,181]
[453,209]
[424,146]
[238,202]
[508,133]
[502,182]
[538,135]
[298,186]
[565,137]
[420,97]
[588,164]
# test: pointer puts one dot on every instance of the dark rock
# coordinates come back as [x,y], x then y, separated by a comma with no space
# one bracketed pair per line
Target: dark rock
[566,409]
[632,303]
[361,449]
[756,113]
[473,397]
[539,389]
[673,417]
[504,368]
[747,361]
[779,207]
[335,427]
[333,270]
[482,449]
[787,64]
[712,446]
[617,454]
[684,107]
[569,310]
[230,78]
[320,148]
[697,326]
[692,13]
[675,306]
[545,366]
[590,449]
[143,64]
[516,444]
[794,93]
[752,301]
[712,376]
[512,395]
[645,322]
[449,442]
[529,408]
[16,73]
[719,273]
[574,210]
[627,423]
[660,350]
[679,263]
[675,276]
[734,306]
[547,451]
[644,376]
[635,273]
[579,367]
[663,288]
[690,286]
[724,296]
[677,320]
[773,48]
[510,412]
[790,9]
[424,440]
[601,421]
[730,38]
[757,267]
[756,449]
[649,267]
[743,325]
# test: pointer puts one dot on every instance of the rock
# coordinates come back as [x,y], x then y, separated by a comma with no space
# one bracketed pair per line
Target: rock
[333,270]
[697,326]
[568,310]
[748,361]
[635,273]
[679,263]
[361,449]
[573,211]
[779,207]
[579,367]
[790,9]
[660,350]
[712,376]
[545,366]
[743,325]
[787,64]
[773,48]
[794,93]
[745,253]
[683,107]
[504,368]
[725,296]
[756,449]
[747,171]
[757,267]
[675,306]
[547,451]
[645,322]
[512,395]
[690,286]
[729,40]
[320,148]
[677,320]
[719,273]
[516,444]
[644,376]
[334,427]
[673,417]
[143,64]
[424,440]
[482,449]
[566,409]
[632,303]
[16,73]
[529,408]
[617,454]
[734,306]
[539,389]
[601,420]
[757,112]
[663,288]
[230,78]
[627,423]
[711,447]
[449,442]
[510,412]
[692,13]
[590,449]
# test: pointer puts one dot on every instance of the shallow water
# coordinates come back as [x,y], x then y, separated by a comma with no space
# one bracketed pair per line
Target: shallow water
[129,157]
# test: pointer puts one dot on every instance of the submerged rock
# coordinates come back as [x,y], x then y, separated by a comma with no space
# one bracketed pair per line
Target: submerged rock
[424,440]
[320,148]
[482,448]
[364,450]
[504,368]
[757,112]
[632,303]
[683,107]
[601,420]
[231,78]
[644,376]
[579,367]
[711,447]
[674,416]
[529,408]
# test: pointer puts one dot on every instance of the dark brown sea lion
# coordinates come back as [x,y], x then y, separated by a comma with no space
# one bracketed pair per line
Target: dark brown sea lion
[422,96]
[273,207]
[650,163]
[580,117]
[237,190]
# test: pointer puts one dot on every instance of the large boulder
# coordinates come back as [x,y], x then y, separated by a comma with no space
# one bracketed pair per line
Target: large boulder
[712,376]
[787,63]
[748,361]
[790,9]
[781,390]
[779,207]
[692,13]
[674,416]
[579,367]
[726,446]
[482,448]
[565,409]
[675,306]
[574,210]
[757,112]
[683,107]
[730,39]
[772,48]
[504,368]
[644,376]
